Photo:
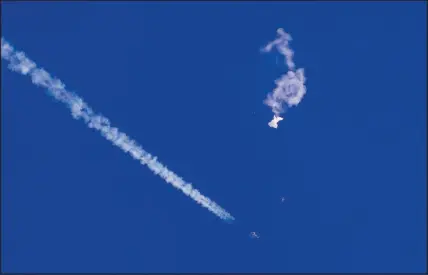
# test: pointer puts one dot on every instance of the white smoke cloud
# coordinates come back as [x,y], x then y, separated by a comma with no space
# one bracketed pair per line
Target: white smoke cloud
[18,62]
[290,87]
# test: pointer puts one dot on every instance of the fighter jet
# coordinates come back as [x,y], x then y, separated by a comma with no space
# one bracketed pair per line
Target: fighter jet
[274,121]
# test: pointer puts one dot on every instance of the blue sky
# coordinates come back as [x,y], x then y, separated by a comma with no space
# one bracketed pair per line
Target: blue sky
[187,81]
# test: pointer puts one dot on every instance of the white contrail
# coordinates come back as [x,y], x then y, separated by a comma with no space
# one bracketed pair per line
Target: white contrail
[18,62]
[290,88]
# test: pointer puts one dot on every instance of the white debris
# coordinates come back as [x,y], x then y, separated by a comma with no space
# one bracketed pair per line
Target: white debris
[274,121]
[254,235]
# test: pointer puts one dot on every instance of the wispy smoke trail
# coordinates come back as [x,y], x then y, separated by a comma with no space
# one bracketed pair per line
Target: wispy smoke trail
[290,88]
[18,62]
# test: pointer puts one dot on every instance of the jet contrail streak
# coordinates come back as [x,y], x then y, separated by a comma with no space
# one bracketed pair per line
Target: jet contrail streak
[18,62]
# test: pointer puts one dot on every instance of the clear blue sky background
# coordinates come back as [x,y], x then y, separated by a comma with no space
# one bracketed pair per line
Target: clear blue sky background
[187,81]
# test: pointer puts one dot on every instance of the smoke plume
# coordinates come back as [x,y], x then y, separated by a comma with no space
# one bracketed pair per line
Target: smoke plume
[290,87]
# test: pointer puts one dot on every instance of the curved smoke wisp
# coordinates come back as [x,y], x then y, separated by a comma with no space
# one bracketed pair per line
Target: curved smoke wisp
[290,87]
